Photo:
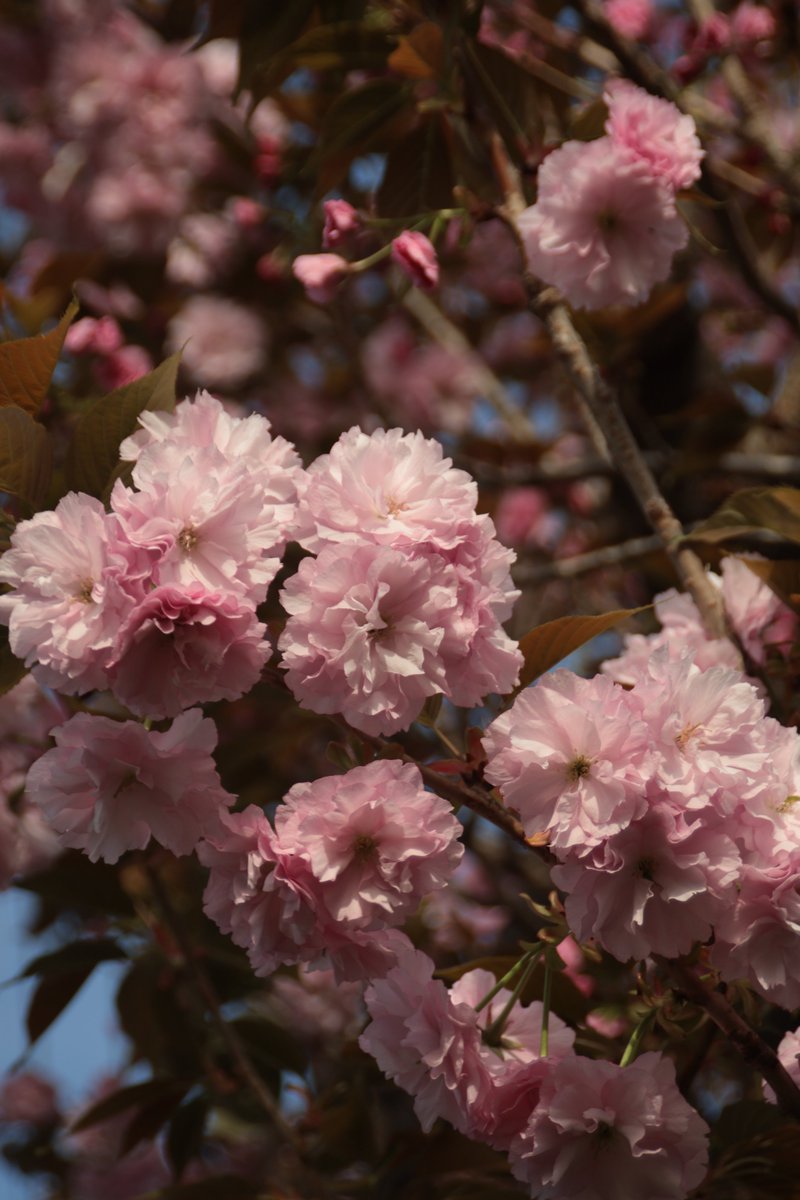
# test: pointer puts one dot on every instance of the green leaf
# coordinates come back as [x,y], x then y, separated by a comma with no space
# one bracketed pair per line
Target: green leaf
[51,997]
[27,365]
[26,456]
[548,644]
[93,457]
[76,956]
[185,1135]
[137,1095]
[12,669]
[773,513]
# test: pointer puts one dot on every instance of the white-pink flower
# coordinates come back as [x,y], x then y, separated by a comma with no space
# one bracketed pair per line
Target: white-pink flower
[430,1046]
[604,229]
[74,579]
[224,343]
[186,645]
[654,132]
[364,633]
[109,786]
[655,888]
[600,1130]
[389,487]
[374,839]
[573,757]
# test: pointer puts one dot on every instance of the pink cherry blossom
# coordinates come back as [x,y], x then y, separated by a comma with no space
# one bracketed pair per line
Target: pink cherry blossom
[93,336]
[600,1130]
[122,366]
[364,632]
[604,230]
[759,617]
[573,757]
[110,786]
[390,487]
[27,1096]
[186,645]
[341,221]
[320,275]
[415,255]
[654,132]
[270,904]
[655,888]
[224,343]
[374,839]
[430,1046]
[631,18]
[756,935]
[789,1055]
[751,24]
[73,580]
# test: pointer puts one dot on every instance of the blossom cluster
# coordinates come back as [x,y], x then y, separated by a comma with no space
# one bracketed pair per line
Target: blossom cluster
[574,1128]
[669,803]
[408,589]
[605,228]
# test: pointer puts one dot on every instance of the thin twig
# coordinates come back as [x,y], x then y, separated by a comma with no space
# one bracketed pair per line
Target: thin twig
[592,560]
[247,1072]
[448,335]
[753,1049]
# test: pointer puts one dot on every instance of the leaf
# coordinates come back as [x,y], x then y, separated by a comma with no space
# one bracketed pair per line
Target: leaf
[344,46]
[755,1153]
[512,96]
[221,1187]
[773,512]
[362,120]
[72,882]
[26,456]
[51,997]
[27,364]
[12,669]
[93,456]
[135,1096]
[75,956]
[420,55]
[266,30]
[271,1044]
[185,1134]
[419,172]
[548,644]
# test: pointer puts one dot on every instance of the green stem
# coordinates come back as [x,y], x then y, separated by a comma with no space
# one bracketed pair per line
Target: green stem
[547,992]
[493,1032]
[507,978]
[632,1048]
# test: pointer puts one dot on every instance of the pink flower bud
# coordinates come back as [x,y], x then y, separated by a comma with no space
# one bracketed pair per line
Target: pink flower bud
[94,336]
[751,24]
[320,274]
[416,256]
[247,213]
[123,366]
[341,219]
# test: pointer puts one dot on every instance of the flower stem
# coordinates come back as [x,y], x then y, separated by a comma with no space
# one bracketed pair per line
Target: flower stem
[494,1032]
[547,992]
[508,977]
[632,1048]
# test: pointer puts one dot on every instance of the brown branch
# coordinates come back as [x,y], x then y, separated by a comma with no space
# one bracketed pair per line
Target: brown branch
[247,1072]
[753,1049]
[571,351]
[592,560]
[736,462]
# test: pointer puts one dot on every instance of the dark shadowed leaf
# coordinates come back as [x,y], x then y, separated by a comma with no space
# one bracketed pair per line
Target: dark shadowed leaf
[362,120]
[271,1044]
[419,172]
[343,46]
[265,31]
[548,644]
[51,997]
[74,957]
[783,576]
[222,1187]
[139,1095]
[510,93]
[755,1154]
[12,669]
[75,883]
[26,456]
[185,1134]
[27,365]
[93,458]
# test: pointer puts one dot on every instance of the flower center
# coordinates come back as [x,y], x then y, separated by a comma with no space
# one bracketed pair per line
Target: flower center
[608,221]
[84,591]
[685,735]
[394,506]
[646,867]
[364,847]
[604,1133]
[578,768]
[187,538]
